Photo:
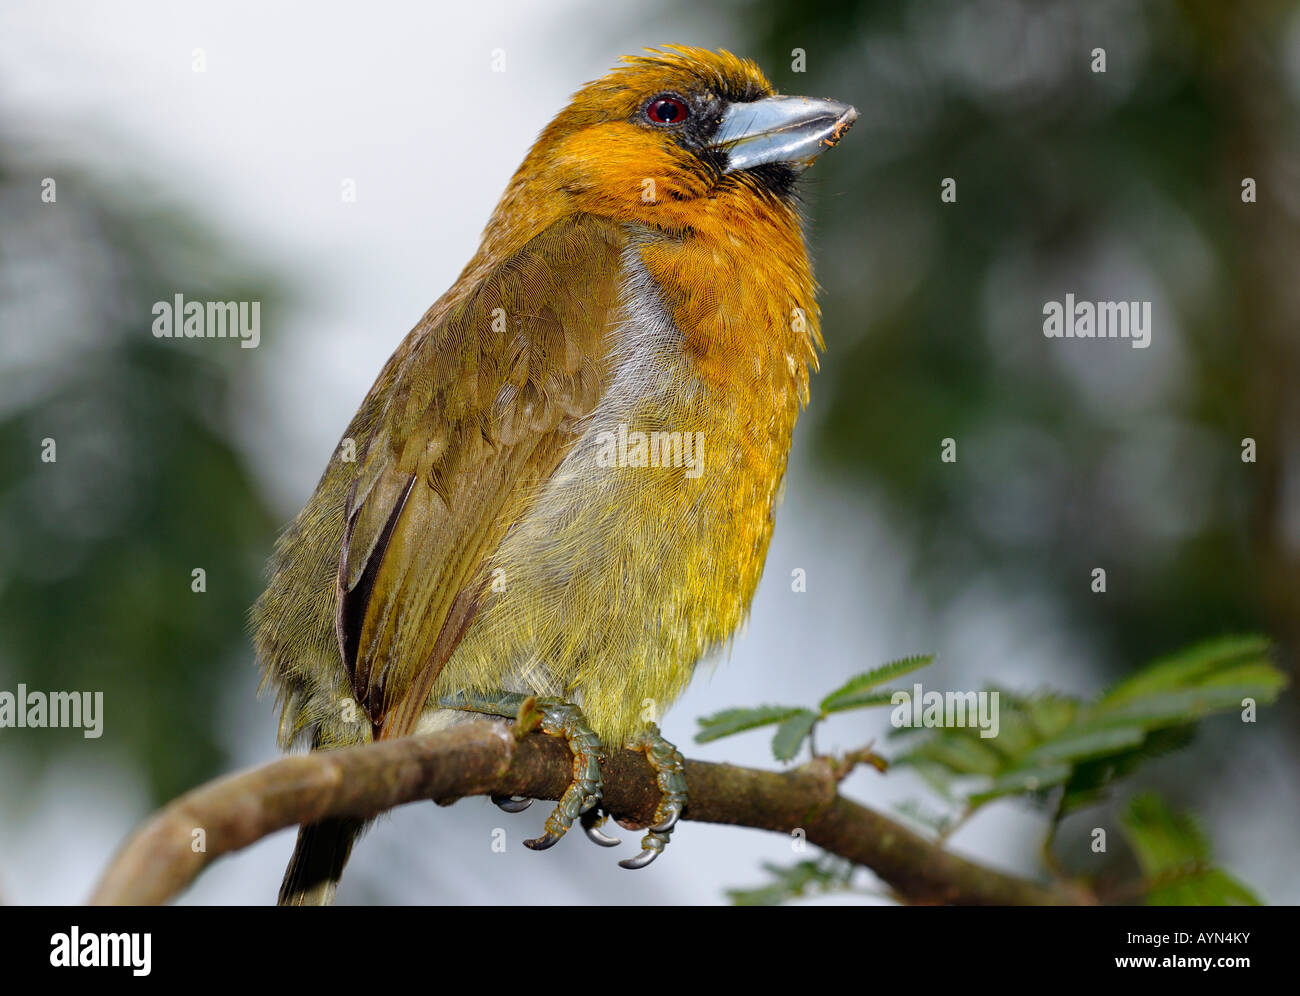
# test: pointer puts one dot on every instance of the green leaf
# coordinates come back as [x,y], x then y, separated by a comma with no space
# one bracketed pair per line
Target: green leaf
[827,874]
[1174,855]
[1024,780]
[1092,777]
[863,700]
[853,694]
[914,810]
[1190,666]
[1161,838]
[731,721]
[961,754]
[1078,745]
[1048,739]
[1047,712]
[792,732]
[1176,707]
[1212,887]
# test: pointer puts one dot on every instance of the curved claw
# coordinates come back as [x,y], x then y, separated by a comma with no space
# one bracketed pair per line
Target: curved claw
[646,856]
[666,825]
[592,820]
[652,845]
[598,836]
[511,803]
[546,840]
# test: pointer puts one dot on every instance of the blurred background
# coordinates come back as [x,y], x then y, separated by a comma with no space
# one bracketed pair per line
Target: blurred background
[225,184]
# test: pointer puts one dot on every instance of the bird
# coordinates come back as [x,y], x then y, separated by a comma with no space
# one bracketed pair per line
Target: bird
[559,493]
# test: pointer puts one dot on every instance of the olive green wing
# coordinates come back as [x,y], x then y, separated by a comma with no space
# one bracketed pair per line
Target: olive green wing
[483,405]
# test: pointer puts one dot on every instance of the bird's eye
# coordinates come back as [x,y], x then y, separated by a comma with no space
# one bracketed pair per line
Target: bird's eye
[666,109]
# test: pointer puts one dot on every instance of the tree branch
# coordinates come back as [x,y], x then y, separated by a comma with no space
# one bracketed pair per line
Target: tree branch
[161,858]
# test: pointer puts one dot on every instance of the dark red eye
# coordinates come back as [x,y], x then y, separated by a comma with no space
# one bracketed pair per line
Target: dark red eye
[666,110]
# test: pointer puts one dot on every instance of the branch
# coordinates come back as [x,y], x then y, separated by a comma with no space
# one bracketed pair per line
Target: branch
[160,859]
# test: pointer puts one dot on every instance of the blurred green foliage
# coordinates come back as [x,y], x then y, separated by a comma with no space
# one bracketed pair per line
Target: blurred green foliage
[795,724]
[1054,750]
[1172,852]
[1071,751]
[1115,185]
[147,485]
[803,880]
[1174,856]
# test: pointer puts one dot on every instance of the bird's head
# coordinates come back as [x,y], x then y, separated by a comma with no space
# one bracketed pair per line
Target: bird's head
[662,131]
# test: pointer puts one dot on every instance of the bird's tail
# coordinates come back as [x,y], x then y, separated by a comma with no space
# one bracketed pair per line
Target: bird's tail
[317,863]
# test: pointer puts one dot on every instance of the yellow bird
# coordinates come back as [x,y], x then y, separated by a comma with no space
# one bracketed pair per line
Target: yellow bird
[563,482]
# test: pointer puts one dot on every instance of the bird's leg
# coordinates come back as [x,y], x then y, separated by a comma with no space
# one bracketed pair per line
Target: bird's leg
[558,718]
[670,773]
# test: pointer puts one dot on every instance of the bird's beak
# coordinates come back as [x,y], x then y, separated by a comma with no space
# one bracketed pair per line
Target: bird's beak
[790,130]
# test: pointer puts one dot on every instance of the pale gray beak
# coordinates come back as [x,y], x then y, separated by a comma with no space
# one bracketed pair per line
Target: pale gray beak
[790,130]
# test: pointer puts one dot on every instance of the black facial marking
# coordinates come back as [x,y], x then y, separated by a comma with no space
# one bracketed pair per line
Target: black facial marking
[776,178]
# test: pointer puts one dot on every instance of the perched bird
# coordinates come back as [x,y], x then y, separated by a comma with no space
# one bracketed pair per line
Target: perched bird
[563,482]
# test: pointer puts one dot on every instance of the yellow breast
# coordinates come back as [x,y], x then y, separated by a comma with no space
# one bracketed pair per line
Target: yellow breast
[641,554]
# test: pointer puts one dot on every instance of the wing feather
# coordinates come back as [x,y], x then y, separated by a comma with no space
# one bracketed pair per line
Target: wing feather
[481,410]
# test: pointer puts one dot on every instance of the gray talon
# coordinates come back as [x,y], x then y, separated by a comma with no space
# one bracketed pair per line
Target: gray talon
[546,840]
[511,803]
[640,861]
[592,821]
[651,847]
[666,826]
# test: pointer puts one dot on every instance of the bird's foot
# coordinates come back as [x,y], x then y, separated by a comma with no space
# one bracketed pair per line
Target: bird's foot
[581,800]
[670,772]
[563,719]
[557,718]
